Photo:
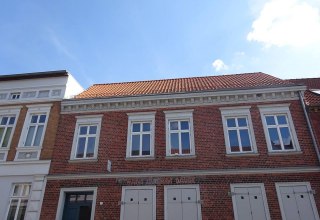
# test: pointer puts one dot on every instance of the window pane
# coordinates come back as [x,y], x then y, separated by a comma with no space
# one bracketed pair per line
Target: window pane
[72,198]
[274,138]
[174,125]
[80,148]
[30,136]
[22,209]
[282,120]
[26,190]
[4,120]
[38,136]
[146,144]
[242,122]
[245,140]
[286,138]
[12,119]
[231,122]
[81,198]
[90,146]
[135,145]
[12,209]
[146,126]
[174,143]
[34,118]
[6,137]
[42,118]
[89,197]
[17,190]
[185,142]
[93,129]
[83,130]
[234,143]
[1,133]
[184,125]
[270,120]
[136,127]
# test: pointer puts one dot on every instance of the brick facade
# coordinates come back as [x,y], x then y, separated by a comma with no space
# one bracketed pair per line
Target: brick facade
[210,151]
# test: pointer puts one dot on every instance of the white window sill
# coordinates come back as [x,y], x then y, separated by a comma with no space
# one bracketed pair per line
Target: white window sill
[91,160]
[140,158]
[180,157]
[4,149]
[274,153]
[251,154]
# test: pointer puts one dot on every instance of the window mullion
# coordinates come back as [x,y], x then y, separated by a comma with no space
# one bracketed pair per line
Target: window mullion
[140,134]
[280,137]
[17,210]
[180,144]
[239,139]
[85,146]
[34,134]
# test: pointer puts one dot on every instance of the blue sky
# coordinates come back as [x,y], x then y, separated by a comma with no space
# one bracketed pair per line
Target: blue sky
[104,41]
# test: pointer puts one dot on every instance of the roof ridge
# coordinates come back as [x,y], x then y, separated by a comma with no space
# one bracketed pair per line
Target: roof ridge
[182,78]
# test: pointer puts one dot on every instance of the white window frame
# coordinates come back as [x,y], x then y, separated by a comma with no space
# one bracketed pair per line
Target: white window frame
[248,185]
[18,197]
[15,95]
[236,112]
[62,198]
[278,109]
[86,120]
[32,110]
[154,194]
[143,117]
[179,115]
[307,184]
[9,111]
[191,186]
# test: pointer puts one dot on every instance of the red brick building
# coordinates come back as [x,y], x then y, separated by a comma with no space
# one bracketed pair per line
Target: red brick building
[29,116]
[217,147]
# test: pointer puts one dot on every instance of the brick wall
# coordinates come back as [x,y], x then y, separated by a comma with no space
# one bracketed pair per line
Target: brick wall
[315,121]
[209,144]
[216,202]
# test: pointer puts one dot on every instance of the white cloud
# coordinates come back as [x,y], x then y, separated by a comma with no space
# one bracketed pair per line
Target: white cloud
[287,23]
[219,65]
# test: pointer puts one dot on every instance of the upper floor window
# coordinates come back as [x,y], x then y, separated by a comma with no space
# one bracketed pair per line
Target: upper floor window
[140,142]
[179,133]
[18,201]
[7,123]
[279,129]
[86,137]
[15,95]
[238,131]
[34,126]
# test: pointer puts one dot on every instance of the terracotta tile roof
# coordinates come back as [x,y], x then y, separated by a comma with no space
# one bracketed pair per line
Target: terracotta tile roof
[311,98]
[311,83]
[183,85]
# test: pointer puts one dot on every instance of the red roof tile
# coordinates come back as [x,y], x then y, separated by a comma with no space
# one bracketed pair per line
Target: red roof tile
[182,85]
[311,83]
[311,98]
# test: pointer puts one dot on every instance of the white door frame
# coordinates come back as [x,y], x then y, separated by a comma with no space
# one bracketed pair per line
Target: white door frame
[195,186]
[307,184]
[248,185]
[154,192]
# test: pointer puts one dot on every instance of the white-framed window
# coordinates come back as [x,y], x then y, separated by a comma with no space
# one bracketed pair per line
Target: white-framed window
[33,132]
[296,200]
[86,137]
[179,133]
[238,130]
[76,203]
[35,126]
[18,201]
[15,95]
[8,121]
[249,201]
[278,128]
[140,141]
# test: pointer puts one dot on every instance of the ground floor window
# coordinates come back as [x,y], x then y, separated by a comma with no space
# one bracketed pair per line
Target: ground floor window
[138,202]
[18,201]
[182,202]
[77,204]
[249,201]
[296,201]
